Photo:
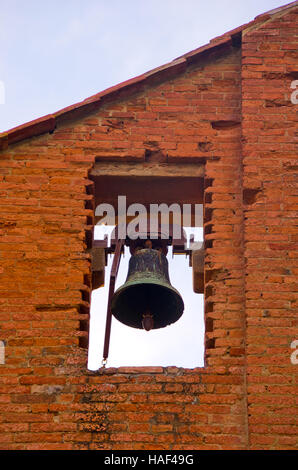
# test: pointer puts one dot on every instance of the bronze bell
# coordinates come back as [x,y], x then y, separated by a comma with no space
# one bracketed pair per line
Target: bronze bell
[147,299]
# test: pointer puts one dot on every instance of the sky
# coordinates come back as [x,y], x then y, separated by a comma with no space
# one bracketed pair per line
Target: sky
[180,344]
[55,53]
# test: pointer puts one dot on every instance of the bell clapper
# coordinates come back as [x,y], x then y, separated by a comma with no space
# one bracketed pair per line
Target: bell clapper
[147,321]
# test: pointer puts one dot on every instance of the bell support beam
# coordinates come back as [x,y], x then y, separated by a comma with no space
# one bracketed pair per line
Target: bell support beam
[197,262]
[98,263]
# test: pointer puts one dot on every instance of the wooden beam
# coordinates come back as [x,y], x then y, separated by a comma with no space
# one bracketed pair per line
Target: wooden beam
[147,169]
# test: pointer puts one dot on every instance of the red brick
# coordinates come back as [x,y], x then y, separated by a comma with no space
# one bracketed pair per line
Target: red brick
[238,105]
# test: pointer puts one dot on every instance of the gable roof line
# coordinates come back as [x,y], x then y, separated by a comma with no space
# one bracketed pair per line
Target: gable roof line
[48,123]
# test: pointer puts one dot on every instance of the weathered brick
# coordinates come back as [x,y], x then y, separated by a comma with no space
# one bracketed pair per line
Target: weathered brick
[231,112]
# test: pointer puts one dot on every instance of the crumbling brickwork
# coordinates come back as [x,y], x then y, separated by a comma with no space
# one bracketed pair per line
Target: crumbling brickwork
[228,107]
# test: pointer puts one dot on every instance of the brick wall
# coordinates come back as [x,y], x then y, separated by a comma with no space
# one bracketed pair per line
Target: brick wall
[223,110]
[270,185]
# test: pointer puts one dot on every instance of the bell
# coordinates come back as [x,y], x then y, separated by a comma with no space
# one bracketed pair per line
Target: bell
[147,299]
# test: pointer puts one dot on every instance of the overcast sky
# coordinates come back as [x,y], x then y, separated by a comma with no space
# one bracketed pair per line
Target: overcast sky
[55,53]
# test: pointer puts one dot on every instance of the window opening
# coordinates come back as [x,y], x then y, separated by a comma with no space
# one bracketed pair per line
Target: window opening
[180,344]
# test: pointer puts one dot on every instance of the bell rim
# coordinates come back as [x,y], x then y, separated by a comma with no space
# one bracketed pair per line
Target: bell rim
[145,281]
[179,301]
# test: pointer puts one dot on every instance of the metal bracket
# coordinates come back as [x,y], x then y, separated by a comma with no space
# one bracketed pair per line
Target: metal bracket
[113,277]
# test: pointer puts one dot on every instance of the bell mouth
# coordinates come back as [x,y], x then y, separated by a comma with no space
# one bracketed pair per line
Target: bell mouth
[136,298]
